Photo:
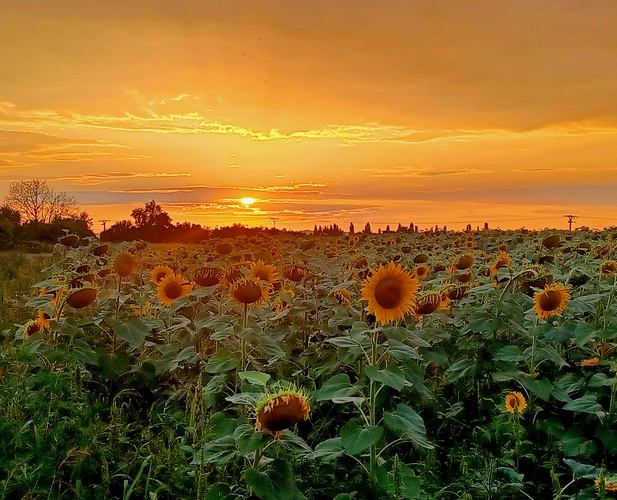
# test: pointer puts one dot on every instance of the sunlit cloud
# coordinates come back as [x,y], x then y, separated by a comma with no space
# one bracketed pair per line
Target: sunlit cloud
[402,171]
[109,177]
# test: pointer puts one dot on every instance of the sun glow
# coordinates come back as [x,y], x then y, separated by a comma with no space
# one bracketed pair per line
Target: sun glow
[247,202]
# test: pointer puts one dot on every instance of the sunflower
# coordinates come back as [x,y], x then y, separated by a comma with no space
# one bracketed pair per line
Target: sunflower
[224,248]
[608,268]
[159,272]
[590,362]
[30,328]
[457,292]
[429,303]
[390,292]
[515,402]
[231,274]
[207,276]
[82,297]
[172,287]
[281,410]
[42,318]
[552,300]
[70,240]
[421,272]
[100,250]
[551,241]
[342,297]
[603,484]
[248,291]
[503,260]
[265,272]
[464,262]
[124,264]
[295,272]
[603,348]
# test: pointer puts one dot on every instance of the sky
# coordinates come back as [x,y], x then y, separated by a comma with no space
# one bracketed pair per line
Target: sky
[448,112]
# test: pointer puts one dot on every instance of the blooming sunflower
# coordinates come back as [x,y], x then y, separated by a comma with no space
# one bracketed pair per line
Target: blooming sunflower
[248,291]
[390,292]
[421,272]
[207,276]
[515,402]
[502,260]
[124,263]
[42,318]
[172,287]
[264,272]
[281,410]
[159,272]
[551,301]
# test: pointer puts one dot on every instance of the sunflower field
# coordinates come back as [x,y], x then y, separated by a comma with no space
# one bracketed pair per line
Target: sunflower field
[411,365]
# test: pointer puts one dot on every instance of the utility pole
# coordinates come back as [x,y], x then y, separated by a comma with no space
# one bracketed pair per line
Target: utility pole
[570,219]
[274,219]
[104,222]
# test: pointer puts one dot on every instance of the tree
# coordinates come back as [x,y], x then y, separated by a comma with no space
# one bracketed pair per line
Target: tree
[37,202]
[151,216]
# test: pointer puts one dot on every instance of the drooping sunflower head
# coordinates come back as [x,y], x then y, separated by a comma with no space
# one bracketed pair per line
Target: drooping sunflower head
[172,287]
[464,262]
[515,402]
[457,292]
[81,297]
[534,277]
[207,276]
[30,328]
[296,272]
[248,290]
[124,263]
[266,272]
[608,268]
[552,241]
[550,301]
[390,292]
[430,302]
[603,348]
[502,260]
[281,410]
[233,273]
[159,272]
[342,297]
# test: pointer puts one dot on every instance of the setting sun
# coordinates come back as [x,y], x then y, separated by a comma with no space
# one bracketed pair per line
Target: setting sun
[247,201]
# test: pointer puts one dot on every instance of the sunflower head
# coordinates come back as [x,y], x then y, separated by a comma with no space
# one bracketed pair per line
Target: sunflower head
[464,262]
[265,272]
[70,240]
[457,292]
[608,268]
[224,248]
[233,273]
[595,361]
[550,301]
[81,297]
[390,292]
[281,410]
[430,302]
[421,272]
[172,287]
[159,272]
[295,272]
[248,291]
[502,260]
[515,402]
[552,241]
[124,263]
[30,328]
[342,297]
[603,348]
[207,276]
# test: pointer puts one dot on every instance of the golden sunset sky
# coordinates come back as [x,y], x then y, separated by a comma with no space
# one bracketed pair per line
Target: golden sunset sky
[426,111]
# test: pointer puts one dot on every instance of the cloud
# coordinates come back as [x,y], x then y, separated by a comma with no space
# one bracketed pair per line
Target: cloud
[411,172]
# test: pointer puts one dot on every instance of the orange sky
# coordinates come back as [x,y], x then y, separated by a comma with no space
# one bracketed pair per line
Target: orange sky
[447,112]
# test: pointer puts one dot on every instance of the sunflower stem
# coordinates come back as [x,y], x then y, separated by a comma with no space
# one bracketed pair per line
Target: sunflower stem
[372,406]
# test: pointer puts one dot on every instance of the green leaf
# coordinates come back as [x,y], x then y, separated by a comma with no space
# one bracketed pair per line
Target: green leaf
[133,331]
[213,388]
[357,439]
[330,449]
[274,484]
[255,378]
[586,404]
[540,387]
[219,491]
[575,444]
[337,387]
[509,353]
[400,351]
[602,380]
[410,483]
[608,438]
[220,451]
[222,361]
[248,440]
[582,471]
[392,376]
[295,444]
[460,369]
[407,423]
